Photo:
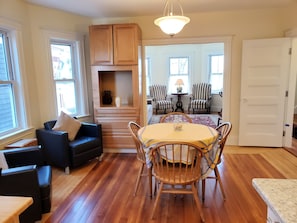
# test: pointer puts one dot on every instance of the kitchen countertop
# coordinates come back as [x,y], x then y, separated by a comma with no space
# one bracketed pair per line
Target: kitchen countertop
[280,195]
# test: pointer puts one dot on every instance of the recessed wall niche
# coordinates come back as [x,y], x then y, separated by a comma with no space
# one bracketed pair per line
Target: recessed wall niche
[119,83]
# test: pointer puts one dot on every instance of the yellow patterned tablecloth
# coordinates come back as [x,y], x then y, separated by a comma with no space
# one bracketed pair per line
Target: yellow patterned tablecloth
[203,136]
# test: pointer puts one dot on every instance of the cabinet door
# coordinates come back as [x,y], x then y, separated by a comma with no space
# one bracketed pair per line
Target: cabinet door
[101,46]
[125,44]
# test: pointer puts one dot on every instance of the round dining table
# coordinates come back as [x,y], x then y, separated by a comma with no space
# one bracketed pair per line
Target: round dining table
[200,135]
[203,136]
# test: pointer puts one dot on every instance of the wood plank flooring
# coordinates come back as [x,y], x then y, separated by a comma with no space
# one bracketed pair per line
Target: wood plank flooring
[103,191]
[293,149]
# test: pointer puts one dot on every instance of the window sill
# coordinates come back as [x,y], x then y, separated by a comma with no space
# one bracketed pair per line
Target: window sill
[15,136]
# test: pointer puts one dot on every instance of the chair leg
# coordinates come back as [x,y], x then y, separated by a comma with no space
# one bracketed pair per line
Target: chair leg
[150,176]
[138,178]
[157,200]
[218,177]
[219,121]
[157,108]
[67,170]
[203,190]
[156,186]
[199,207]
[99,158]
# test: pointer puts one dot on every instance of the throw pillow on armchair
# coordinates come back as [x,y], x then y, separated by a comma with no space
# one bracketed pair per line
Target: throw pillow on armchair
[67,124]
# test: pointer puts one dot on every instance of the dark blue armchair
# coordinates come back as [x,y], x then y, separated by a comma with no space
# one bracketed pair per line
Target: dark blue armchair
[28,175]
[61,152]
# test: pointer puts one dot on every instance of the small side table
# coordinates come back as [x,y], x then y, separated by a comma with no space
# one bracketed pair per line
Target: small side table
[12,206]
[22,143]
[179,103]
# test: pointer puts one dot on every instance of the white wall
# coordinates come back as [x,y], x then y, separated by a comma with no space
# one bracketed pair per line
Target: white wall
[198,57]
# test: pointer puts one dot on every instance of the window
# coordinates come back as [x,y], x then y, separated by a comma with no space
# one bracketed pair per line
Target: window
[68,76]
[216,68]
[64,76]
[11,98]
[178,69]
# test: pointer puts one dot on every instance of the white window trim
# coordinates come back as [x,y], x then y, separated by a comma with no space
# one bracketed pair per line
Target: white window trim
[148,74]
[14,31]
[210,74]
[171,87]
[78,39]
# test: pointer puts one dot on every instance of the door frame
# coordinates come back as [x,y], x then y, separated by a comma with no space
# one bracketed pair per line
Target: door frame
[289,110]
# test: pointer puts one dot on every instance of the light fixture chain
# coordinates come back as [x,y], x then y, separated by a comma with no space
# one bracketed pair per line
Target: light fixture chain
[170,6]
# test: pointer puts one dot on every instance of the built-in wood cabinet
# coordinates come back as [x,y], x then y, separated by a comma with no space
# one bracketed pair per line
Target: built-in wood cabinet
[115,54]
[114,44]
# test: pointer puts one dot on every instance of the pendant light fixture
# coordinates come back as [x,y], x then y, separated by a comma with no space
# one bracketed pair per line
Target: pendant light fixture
[173,19]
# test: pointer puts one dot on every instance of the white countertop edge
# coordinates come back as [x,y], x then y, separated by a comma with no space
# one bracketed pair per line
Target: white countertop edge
[262,195]
[276,193]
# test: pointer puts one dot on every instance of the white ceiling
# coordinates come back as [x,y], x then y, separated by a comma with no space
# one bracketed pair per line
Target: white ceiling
[133,8]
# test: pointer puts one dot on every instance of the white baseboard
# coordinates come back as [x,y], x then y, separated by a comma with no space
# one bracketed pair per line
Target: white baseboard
[232,140]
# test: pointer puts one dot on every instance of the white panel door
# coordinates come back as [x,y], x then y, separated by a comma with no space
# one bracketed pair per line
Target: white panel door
[264,80]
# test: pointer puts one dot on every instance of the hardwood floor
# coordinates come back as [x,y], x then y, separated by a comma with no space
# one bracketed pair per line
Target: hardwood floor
[103,191]
[293,149]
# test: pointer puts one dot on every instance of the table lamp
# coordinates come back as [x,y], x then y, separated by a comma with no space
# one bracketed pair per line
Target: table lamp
[179,83]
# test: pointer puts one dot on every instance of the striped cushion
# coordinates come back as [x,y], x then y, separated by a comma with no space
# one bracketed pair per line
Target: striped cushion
[164,105]
[199,104]
[159,95]
[201,91]
[201,94]
[158,92]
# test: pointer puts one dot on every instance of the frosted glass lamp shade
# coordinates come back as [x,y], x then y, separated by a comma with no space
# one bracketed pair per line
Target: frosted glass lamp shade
[172,25]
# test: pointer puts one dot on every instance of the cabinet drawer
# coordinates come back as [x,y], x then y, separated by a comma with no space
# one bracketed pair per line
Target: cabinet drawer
[111,124]
[115,131]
